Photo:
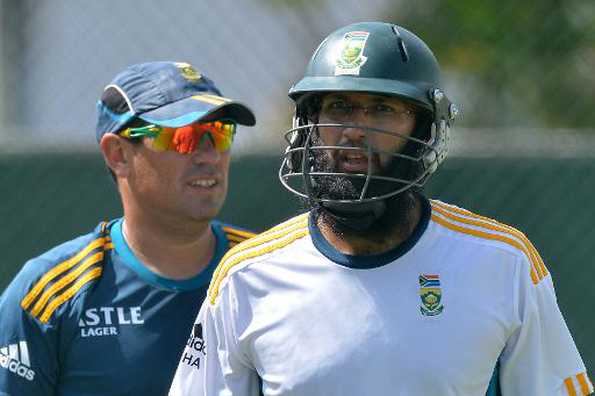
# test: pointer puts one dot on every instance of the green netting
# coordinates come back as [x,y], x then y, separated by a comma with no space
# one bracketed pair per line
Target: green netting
[50,198]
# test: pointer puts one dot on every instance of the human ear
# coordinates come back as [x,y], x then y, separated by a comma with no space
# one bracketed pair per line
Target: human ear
[116,153]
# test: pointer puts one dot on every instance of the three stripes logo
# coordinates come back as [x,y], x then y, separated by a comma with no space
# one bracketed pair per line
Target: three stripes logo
[60,284]
[15,358]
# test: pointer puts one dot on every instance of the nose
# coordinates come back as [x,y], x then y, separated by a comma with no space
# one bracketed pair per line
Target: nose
[354,133]
[206,153]
[358,117]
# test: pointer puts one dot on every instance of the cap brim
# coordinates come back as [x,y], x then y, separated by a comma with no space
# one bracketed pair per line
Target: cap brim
[198,108]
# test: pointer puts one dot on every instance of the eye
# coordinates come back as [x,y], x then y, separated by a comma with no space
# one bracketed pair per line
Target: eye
[338,106]
[383,109]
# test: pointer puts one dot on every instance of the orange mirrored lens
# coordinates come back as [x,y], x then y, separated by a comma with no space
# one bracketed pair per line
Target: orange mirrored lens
[188,138]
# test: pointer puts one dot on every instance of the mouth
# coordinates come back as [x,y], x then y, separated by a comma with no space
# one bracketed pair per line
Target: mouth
[203,183]
[353,161]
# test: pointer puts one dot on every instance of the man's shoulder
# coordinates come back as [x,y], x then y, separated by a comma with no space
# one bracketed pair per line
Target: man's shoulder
[48,281]
[481,232]
[232,233]
[258,248]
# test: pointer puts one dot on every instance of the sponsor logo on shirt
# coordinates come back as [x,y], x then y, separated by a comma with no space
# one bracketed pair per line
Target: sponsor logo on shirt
[195,347]
[15,358]
[106,321]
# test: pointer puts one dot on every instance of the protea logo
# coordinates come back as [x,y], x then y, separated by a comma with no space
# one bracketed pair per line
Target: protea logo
[351,53]
[187,71]
[430,293]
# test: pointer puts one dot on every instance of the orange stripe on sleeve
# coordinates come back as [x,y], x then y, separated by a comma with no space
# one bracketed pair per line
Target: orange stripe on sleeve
[584,382]
[570,387]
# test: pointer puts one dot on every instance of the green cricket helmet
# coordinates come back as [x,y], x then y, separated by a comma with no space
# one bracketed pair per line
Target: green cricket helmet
[374,58]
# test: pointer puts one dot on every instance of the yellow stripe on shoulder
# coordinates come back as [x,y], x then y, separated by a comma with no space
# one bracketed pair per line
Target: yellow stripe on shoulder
[69,293]
[62,268]
[235,238]
[534,255]
[234,232]
[65,281]
[287,223]
[459,220]
[281,226]
[273,239]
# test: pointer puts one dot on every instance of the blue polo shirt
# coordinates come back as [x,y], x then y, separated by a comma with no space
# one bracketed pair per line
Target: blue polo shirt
[88,318]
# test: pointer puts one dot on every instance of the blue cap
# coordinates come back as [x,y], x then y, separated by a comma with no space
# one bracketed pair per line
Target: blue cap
[170,94]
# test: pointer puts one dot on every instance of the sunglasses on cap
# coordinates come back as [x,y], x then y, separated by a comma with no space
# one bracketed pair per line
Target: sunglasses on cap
[186,139]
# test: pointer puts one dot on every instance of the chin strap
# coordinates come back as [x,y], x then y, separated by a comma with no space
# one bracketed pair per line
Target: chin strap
[356,216]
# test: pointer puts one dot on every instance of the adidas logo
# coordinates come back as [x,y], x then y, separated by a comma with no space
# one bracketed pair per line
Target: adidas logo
[195,348]
[15,358]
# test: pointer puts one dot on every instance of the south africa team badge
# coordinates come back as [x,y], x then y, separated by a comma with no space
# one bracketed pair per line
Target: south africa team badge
[187,71]
[430,294]
[350,56]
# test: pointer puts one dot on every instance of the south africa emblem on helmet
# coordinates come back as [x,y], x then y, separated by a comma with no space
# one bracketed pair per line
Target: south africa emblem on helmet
[350,56]
[187,71]
[430,294]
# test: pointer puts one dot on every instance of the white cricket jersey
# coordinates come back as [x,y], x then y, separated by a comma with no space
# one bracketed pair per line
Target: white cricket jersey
[463,300]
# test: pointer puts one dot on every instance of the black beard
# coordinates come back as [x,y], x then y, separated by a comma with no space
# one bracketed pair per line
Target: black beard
[396,217]
[398,208]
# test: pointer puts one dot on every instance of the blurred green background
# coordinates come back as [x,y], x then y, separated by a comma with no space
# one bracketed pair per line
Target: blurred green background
[521,72]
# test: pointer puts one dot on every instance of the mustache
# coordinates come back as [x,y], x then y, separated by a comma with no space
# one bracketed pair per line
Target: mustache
[203,170]
[345,144]
[330,159]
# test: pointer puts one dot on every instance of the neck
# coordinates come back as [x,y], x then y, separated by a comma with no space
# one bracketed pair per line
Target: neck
[175,250]
[383,236]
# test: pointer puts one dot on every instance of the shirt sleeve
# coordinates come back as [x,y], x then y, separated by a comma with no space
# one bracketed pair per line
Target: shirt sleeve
[212,363]
[189,377]
[28,348]
[540,357]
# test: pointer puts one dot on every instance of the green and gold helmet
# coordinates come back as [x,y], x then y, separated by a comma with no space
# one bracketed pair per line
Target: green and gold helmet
[373,57]
[380,59]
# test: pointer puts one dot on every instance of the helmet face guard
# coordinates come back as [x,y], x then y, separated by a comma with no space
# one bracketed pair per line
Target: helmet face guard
[300,172]
[373,58]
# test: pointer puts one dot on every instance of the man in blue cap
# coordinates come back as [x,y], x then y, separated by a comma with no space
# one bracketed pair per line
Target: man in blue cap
[109,312]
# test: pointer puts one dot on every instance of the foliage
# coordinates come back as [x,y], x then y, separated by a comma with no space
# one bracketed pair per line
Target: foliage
[518,63]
